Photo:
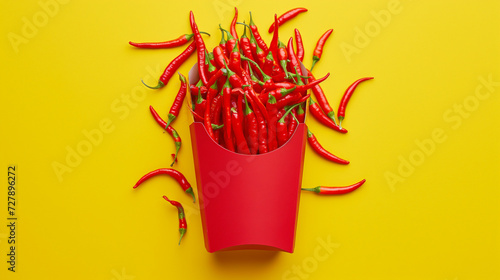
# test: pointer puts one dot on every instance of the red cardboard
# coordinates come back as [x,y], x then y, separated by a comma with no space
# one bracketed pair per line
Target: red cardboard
[247,201]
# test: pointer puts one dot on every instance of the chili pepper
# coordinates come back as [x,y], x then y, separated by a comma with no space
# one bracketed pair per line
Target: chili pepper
[262,125]
[231,41]
[272,111]
[311,139]
[233,24]
[226,116]
[241,142]
[256,82]
[251,127]
[200,103]
[322,118]
[211,70]
[183,39]
[215,115]
[220,57]
[283,58]
[287,16]
[182,216]
[277,93]
[207,121]
[255,31]
[301,88]
[268,81]
[319,47]
[245,46]
[293,122]
[179,98]
[294,61]
[301,114]
[335,190]
[170,130]
[173,66]
[215,77]
[222,43]
[183,182]
[291,99]
[321,98]
[196,116]
[299,45]
[200,47]
[347,95]
[273,47]
[282,129]
[235,61]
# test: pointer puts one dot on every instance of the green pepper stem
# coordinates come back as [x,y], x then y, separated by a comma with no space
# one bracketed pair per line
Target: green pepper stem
[159,85]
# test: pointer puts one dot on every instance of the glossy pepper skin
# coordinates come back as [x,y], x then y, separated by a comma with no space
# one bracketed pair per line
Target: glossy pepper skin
[299,45]
[200,48]
[335,190]
[322,118]
[179,99]
[182,217]
[178,176]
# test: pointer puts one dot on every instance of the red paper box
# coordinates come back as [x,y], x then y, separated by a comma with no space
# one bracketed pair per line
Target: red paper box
[247,201]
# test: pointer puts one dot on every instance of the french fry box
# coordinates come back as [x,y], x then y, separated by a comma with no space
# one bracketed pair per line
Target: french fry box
[247,201]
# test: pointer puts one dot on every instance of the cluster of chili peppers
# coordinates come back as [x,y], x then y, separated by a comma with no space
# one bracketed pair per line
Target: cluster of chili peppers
[250,96]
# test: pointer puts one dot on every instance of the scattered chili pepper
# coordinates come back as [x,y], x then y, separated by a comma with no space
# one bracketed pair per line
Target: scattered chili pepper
[182,216]
[200,47]
[299,44]
[318,51]
[311,139]
[233,24]
[170,130]
[173,66]
[322,118]
[287,16]
[183,39]
[179,98]
[178,176]
[347,95]
[335,190]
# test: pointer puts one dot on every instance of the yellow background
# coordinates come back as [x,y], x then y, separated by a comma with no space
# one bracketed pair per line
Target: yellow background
[76,70]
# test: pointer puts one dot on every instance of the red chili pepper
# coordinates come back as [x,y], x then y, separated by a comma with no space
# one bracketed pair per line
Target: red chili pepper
[293,122]
[182,216]
[300,88]
[183,182]
[272,111]
[283,58]
[321,98]
[294,61]
[235,61]
[215,78]
[287,16]
[226,116]
[241,142]
[173,66]
[200,47]
[273,47]
[179,98]
[301,114]
[222,43]
[251,126]
[299,44]
[255,31]
[311,139]
[231,41]
[322,118]
[335,190]
[183,39]
[170,130]
[233,24]
[220,57]
[245,46]
[282,128]
[200,103]
[207,121]
[347,95]
[211,70]
[319,47]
